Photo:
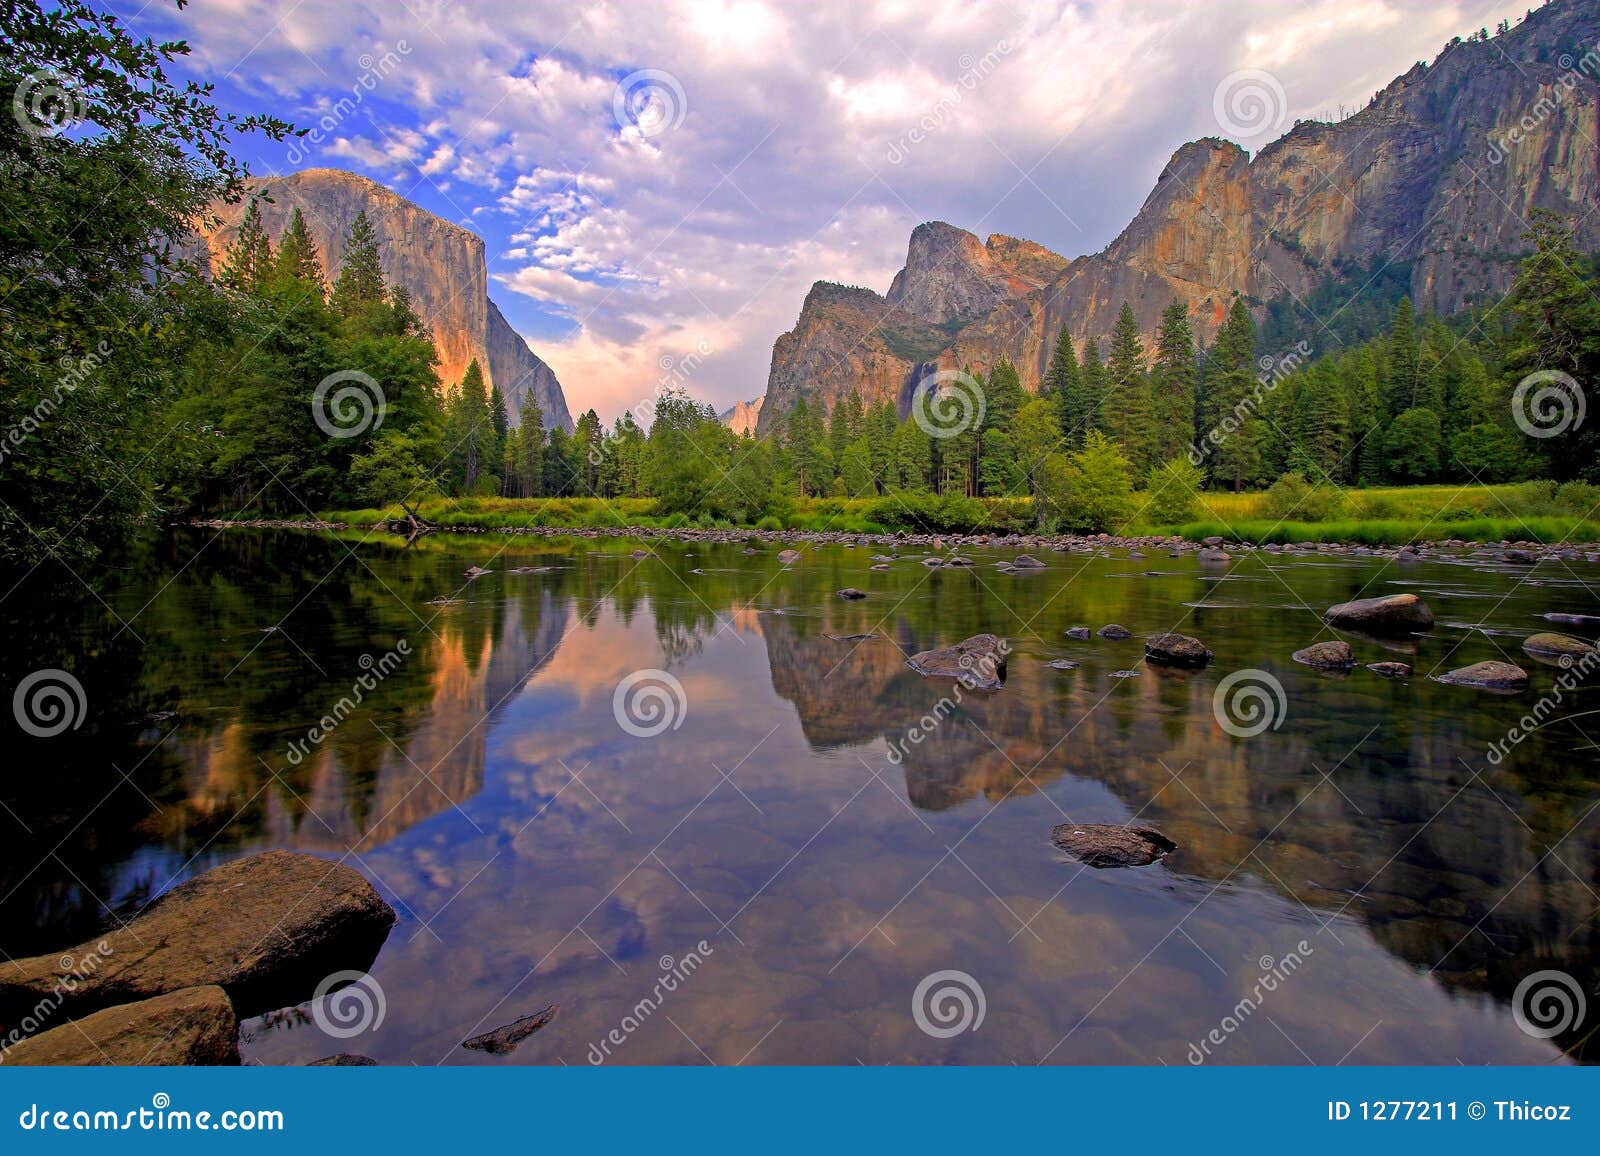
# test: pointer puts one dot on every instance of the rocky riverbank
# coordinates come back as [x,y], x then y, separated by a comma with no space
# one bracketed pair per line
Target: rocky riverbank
[1213,550]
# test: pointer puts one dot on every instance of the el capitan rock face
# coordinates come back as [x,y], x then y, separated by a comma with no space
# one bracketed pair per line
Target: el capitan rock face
[1438,173]
[439,263]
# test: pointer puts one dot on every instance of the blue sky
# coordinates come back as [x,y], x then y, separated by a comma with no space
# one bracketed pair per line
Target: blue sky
[659,179]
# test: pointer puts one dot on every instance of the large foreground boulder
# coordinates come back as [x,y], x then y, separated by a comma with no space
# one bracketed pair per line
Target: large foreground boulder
[195,1026]
[978,662]
[1388,614]
[1558,646]
[1111,845]
[265,928]
[1176,650]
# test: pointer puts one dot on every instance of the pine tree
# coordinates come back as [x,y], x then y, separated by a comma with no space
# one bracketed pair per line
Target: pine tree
[360,285]
[474,447]
[1233,397]
[1173,381]
[248,261]
[1092,392]
[530,463]
[1127,399]
[297,256]
[1063,385]
[1400,369]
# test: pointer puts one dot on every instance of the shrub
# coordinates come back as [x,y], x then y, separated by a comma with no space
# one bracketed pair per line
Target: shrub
[769,523]
[1088,491]
[1291,496]
[1172,492]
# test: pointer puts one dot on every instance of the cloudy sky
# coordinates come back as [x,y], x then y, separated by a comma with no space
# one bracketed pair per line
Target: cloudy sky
[658,179]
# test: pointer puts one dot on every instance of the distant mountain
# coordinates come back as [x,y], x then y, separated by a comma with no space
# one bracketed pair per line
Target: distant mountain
[1437,175]
[439,263]
[742,418]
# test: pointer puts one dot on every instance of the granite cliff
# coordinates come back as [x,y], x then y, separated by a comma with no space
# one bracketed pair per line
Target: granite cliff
[1437,174]
[439,263]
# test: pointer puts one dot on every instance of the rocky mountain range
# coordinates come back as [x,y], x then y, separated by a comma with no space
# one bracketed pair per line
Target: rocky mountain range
[1437,174]
[440,264]
[743,417]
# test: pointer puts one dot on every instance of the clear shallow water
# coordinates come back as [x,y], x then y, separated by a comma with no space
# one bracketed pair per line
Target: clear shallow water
[537,853]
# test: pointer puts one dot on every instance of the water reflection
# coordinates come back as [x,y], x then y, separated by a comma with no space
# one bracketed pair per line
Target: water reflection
[539,854]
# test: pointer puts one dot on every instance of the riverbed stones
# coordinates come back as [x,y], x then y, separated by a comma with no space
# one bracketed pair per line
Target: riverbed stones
[1491,675]
[1558,646]
[1386,614]
[192,1026]
[1062,664]
[1027,562]
[1390,669]
[1172,649]
[1211,556]
[265,928]
[1103,845]
[1114,631]
[978,662]
[1334,655]
[851,594]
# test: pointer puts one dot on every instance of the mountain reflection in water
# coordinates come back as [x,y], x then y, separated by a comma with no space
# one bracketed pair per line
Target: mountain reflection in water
[538,854]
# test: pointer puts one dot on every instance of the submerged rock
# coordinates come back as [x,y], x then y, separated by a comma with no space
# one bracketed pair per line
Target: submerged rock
[1491,675]
[788,557]
[1114,632]
[1211,556]
[1081,633]
[1391,669]
[1334,655]
[1112,845]
[473,573]
[192,1026]
[344,1060]
[1388,614]
[1171,649]
[1062,664]
[1558,646]
[978,662]
[265,928]
[505,1039]
[1573,619]
[1027,562]
[851,594]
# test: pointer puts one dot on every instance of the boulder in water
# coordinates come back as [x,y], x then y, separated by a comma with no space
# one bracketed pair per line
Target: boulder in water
[1115,632]
[1334,655]
[190,1027]
[1387,614]
[1172,649]
[1104,845]
[978,662]
[1505,677]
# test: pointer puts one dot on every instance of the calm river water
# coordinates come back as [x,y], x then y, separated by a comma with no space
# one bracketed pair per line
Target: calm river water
[786,849]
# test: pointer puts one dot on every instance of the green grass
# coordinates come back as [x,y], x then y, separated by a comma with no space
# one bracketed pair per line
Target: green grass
[1391,532]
